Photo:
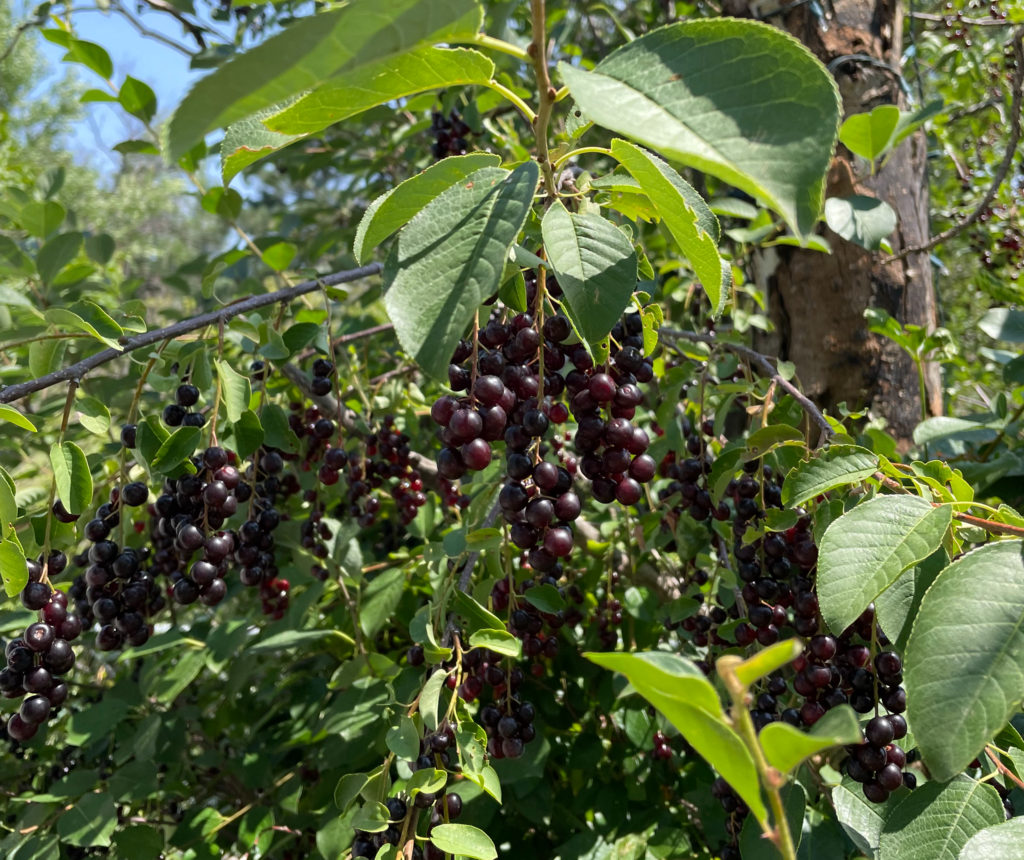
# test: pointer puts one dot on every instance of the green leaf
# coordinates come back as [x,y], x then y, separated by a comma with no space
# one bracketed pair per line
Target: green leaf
[465,840]
[688,218]
[13,567]
[225,202]
[90,55]
[310,52]
[740,100]
[935,821]
[1004,840]
[595,265]
[100,247]
[766,439]
[403,739]
[56,254]
[175,449]
[90,821]
[15,261]
[476,616]
[427,780]
[677,688]
[93,414]
[391,78]
[393,210]
[864,551]
[8,505]
[1004,324]
[65,318]
[372,817]
[348,789]
[248,140]
[861,819]
[41,219]
[234,390]
[450,258]
[500,641]
[429,697]
[277,432]
[139,841]
[836,466]
[10,415]
[546,598]
[964,668]
[279,255]
[137,98]
[869,135]
[898,606]
[72,475]
[753,845]
[768,660]
[248,433]
[785,746]
[860,219]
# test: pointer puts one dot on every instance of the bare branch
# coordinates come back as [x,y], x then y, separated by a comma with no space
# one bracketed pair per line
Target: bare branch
[1017,89]
[764,364]
[130,344]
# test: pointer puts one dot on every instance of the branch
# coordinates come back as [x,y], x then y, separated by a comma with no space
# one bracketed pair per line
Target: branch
[764,363]
[538,51]
[1017,89]
[130,344]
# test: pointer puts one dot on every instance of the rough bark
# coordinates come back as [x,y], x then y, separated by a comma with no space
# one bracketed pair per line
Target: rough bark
[817,302]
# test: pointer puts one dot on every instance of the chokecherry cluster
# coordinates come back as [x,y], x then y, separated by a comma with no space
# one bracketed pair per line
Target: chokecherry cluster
[180,413]
[449,134]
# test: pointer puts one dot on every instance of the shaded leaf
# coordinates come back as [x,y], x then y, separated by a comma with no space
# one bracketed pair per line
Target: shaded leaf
[860,219]
[72,476]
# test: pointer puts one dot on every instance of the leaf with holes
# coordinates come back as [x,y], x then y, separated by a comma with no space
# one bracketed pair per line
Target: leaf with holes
[739,100]
[450,257]
[965,656]
[864,551]
[595,265]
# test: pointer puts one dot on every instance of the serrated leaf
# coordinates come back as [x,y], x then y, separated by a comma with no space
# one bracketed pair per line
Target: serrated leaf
[677,688]
[235,390]
[310,52]
[965,656]
[864,551]
[595,265]
[860,219]
[1004,841]
[464,840]
[72,476]
[10,415]
[861,819]
[403,739]
[685,214]
[499,641]
[737,99]
[897,606]
[870,134]
[248,140]
[450,258]
[935,821]
[396,208]
[785,746]
[836,466]
[13,567]
[175,449]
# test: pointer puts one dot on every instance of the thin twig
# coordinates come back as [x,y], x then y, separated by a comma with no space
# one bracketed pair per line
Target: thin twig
[546,93]
[130,344]
[1017,89]
[764,363]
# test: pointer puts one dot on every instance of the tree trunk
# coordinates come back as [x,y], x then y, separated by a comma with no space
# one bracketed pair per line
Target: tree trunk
[817,302]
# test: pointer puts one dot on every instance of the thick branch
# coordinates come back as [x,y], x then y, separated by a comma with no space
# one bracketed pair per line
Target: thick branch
[1017,88]
[130,344]
[765,365]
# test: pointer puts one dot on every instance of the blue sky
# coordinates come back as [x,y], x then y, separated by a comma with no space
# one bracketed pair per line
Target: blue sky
[165,69]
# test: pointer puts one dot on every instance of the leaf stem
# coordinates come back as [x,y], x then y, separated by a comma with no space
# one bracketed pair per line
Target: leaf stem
[524,108]
[771,779]
[482,40]
[601,150]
